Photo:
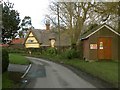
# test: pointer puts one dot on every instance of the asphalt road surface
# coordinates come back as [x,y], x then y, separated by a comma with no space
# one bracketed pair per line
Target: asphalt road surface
[46,74]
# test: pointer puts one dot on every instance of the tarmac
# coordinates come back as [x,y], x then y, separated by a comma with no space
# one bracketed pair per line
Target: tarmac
[17,68]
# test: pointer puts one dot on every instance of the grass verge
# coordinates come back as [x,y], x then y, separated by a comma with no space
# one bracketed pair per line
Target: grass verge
[11,79]
[6,81]
[18,59]
[105,70]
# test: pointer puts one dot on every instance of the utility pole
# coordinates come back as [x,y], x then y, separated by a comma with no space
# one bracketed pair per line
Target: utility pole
[58,25]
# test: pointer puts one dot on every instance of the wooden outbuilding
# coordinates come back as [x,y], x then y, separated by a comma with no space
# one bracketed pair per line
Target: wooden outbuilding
[101,43]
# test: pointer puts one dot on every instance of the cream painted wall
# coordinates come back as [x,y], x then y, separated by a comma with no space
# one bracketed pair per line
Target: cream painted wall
[52,43]
[31,34]
[32,45]
[31,38]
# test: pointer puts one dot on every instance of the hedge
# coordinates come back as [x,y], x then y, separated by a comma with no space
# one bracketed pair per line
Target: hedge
[5,60]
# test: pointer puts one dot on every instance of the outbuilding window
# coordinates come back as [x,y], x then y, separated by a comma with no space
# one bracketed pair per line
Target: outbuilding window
[101,45]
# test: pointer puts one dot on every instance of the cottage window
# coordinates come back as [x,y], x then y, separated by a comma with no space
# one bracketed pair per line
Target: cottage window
[30,41]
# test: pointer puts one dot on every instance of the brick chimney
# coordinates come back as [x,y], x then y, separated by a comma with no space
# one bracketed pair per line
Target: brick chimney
[47,24]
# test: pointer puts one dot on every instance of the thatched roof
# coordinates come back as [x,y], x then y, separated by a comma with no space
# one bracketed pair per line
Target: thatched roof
[44,36]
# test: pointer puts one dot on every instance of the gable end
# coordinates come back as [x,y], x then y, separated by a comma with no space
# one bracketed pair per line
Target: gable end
[29,35]
[109,28]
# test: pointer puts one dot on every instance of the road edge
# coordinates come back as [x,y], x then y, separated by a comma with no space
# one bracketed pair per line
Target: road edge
[27,70]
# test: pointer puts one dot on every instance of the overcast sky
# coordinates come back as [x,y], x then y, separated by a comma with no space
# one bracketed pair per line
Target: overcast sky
[36,9]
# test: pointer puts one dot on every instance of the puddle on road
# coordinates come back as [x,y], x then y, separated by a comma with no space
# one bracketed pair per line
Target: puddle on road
[37,71]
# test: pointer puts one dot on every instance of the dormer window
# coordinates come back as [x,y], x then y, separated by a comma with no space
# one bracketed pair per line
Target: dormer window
[52,42]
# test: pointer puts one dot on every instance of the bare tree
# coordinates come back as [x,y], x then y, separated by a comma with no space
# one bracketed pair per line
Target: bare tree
[76,15]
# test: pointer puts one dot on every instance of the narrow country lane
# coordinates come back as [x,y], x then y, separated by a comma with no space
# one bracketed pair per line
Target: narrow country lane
[46,74]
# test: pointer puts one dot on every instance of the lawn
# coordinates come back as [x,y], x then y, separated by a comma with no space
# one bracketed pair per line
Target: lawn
[18,59]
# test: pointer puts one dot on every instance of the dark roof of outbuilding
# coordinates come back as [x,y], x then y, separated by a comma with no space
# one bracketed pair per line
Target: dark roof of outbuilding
[44,36]
[94,30]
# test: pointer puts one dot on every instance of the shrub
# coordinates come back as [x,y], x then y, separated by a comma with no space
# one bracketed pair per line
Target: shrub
[70,53]
[51,51]
[5,60]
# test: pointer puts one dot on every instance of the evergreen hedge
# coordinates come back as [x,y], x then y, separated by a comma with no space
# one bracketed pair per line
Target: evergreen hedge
[5,60]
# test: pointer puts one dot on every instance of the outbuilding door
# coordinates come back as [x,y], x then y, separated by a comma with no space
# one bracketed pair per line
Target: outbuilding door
[104,48]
